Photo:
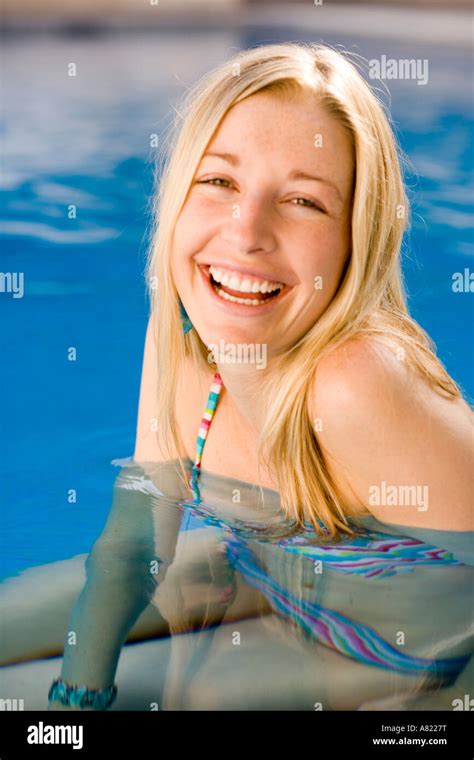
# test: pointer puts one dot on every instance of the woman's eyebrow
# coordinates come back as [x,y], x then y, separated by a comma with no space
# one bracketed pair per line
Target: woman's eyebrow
[231,158]
[298,174]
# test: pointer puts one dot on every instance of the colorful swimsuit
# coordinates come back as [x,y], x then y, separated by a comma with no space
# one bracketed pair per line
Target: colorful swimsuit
[203,431]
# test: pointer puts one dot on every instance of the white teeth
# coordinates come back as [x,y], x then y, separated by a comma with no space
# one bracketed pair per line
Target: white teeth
[247,301]
[244,285]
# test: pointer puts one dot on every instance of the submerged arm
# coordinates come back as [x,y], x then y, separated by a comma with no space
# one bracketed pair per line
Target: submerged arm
[129,559]
[127,563]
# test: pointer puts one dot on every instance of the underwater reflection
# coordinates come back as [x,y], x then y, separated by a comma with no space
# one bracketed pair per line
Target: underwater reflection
[263,614]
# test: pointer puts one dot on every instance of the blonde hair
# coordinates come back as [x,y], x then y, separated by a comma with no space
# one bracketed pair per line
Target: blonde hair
[370,300]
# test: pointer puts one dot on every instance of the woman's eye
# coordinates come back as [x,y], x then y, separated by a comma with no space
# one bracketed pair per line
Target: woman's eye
[217,182]
[307,203]
[213,179]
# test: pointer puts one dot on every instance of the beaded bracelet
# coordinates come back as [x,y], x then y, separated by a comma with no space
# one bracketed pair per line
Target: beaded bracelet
[81,696]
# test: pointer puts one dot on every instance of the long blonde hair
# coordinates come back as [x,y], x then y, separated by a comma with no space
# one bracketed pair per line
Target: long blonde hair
[370,299]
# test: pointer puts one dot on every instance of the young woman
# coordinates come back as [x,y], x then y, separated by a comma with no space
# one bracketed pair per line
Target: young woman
[278,308]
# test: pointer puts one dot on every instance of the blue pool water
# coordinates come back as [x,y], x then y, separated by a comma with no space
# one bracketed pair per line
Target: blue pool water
[86,141]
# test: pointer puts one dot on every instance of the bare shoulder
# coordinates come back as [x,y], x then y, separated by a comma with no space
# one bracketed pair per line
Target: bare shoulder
[366,376]
[384,429]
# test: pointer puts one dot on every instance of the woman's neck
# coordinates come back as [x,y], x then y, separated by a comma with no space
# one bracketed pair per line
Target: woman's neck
[244,388]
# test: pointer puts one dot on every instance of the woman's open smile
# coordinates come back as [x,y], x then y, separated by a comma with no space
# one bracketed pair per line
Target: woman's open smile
[242,294]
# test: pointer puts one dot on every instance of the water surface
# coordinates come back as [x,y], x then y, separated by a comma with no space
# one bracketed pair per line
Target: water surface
[265,615]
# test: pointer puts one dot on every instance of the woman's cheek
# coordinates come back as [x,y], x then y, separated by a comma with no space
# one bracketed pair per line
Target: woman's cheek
[189,233]
[325,272]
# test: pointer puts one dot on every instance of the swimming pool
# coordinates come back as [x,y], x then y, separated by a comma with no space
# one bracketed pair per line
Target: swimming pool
[84,141]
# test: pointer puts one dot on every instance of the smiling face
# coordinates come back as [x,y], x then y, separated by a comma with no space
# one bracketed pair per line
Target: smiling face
[259,247]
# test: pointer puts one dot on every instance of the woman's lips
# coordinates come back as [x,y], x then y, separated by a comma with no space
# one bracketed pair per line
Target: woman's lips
[240,308]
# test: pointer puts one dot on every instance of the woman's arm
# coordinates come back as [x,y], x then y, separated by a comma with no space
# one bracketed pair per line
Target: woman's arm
[126,564]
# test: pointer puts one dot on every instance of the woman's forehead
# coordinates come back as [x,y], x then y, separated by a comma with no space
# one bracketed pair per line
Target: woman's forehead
[292,133]
[272,108]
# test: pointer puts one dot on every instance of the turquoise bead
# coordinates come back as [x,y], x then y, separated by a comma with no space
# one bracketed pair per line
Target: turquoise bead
[81,696]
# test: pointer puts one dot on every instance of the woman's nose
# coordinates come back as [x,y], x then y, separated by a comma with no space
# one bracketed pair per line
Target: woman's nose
[248,227]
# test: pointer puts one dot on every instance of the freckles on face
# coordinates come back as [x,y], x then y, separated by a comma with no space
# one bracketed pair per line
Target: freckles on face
[194,228]
[272,194]
[321,264]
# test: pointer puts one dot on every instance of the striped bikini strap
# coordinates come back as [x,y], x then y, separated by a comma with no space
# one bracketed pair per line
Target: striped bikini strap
[203,430]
